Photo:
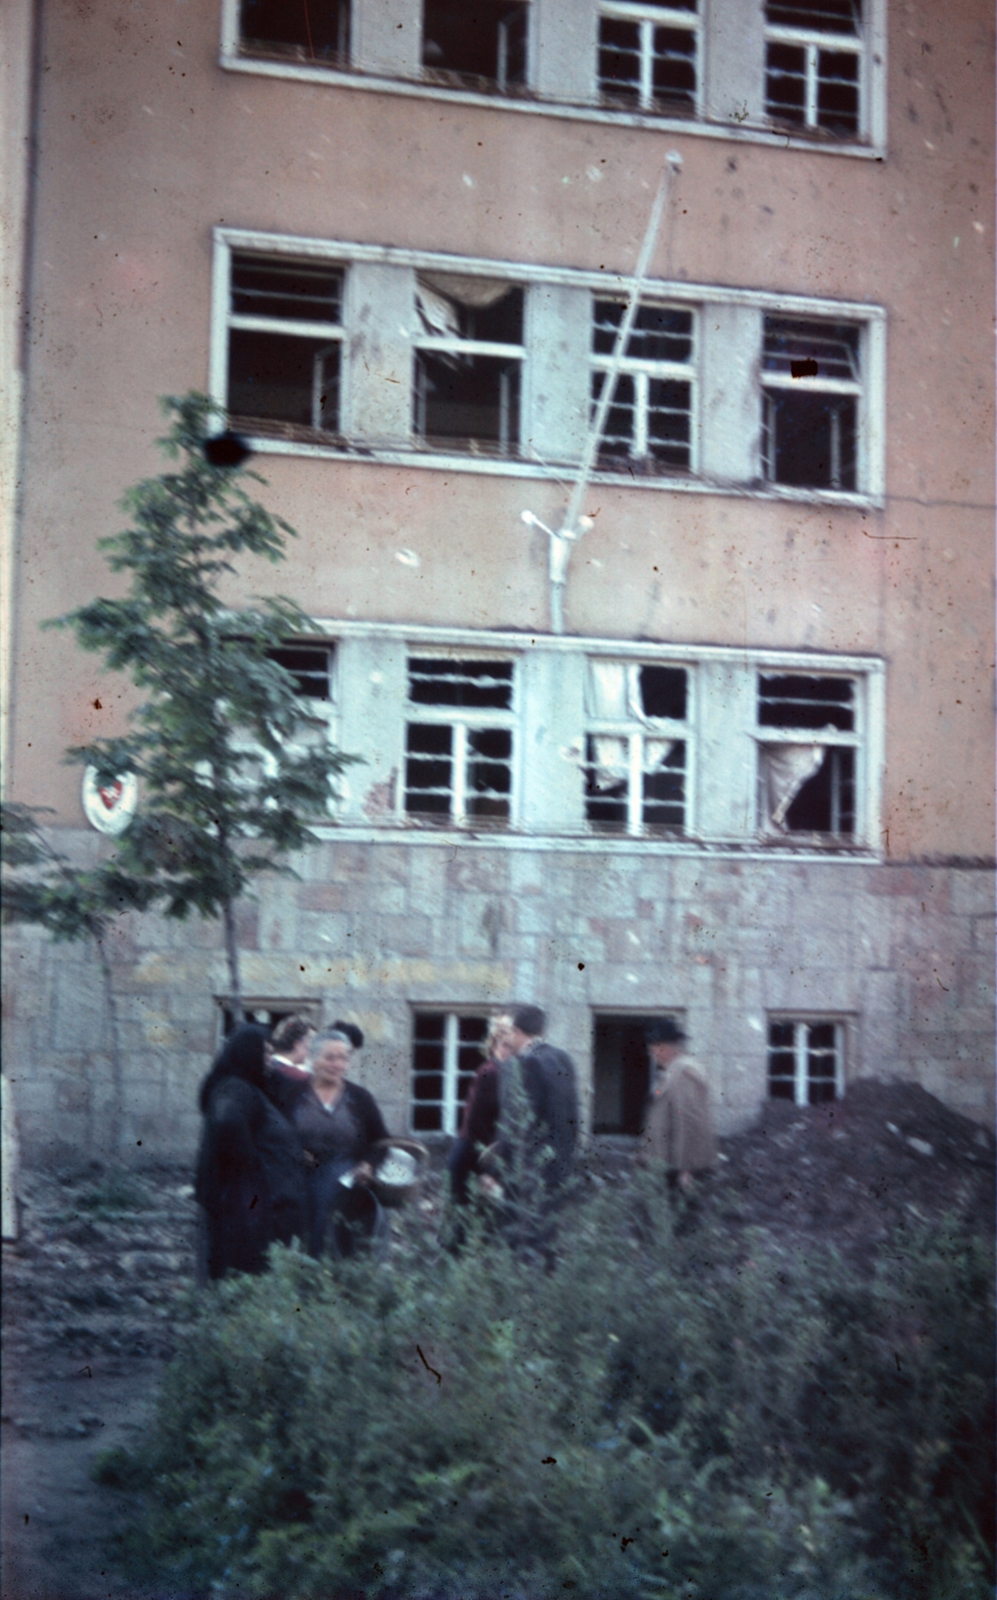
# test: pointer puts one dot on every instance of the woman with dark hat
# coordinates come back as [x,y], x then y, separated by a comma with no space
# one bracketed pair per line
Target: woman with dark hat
[250,1179]
[678,1126]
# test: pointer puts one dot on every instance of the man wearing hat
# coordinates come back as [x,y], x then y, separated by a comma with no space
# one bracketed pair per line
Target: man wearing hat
[678,1127]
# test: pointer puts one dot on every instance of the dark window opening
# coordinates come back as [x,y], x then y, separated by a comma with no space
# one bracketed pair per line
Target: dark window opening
[809,440]
[659,333]
[663,692]
[836,87]
[621,1072]
[309,666]
[646,66]
[304,30]
[284,378]
[663,795]
[804,1062]
[429,771]
[476,44]
[649,422]
[819,16]
[794,701]
[473,309]
[300,291]
[439,681]
[489,773]
[463,400]
[446,1053]
[268,1013]
[826,802]
[607,786]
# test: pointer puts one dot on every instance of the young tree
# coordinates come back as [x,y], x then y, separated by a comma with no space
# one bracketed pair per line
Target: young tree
[43,887]
[226,781]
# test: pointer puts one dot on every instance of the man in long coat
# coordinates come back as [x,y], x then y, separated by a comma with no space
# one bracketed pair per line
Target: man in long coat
[678,1126]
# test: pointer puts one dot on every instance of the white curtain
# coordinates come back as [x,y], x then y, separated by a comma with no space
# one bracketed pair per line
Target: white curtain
[656,753]
[611,765]
[786,768]
[438,295]
[613,692]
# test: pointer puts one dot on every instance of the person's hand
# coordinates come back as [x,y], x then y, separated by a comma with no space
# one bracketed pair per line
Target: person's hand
[363,1173]
[687,1182]
[311,1160]
[488,1184]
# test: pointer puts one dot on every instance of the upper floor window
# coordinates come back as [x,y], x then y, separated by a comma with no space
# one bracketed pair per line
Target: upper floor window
[459,742]
[812,388]
[813,64]
[481,46]
[767,70]
[371,350]
[285,344]
[311,667]
[650,421]
[807,786]
[648,54]
[636,747]
[469,354]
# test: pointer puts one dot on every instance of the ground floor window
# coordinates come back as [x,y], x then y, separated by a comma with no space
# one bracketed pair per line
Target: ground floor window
[620,1071]
[806,1060]
[446,1053]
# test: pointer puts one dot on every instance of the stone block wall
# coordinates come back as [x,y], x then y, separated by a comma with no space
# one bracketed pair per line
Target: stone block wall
[903,955]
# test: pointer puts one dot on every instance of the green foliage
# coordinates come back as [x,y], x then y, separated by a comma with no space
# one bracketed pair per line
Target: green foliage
[118,1192]
[69,902]
[227,783]
[657,1415]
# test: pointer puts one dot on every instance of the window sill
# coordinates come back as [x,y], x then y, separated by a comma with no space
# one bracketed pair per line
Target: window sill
[516,467]
[524,100]
[511,838]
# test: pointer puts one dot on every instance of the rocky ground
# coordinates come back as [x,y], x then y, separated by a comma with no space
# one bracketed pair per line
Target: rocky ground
[102,1278]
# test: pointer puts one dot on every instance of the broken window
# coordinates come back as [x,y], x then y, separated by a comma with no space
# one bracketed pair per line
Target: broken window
[806,1061]
[446,1053]
[284,345]
[813,67]
[268,1013]
[469,356]
[649,423]
[807,786]
[635,767]
[310,665]
[307,30]
[621,1074]
[648,55]
[481,46]
[458,767]
[811,377]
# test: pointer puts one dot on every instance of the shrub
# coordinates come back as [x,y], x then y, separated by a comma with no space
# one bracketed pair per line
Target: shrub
[655,1415]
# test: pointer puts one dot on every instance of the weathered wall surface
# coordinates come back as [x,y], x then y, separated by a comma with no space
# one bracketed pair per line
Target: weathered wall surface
[903,954]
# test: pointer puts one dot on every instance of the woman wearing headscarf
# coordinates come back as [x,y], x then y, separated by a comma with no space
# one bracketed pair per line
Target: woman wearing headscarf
[250,1179]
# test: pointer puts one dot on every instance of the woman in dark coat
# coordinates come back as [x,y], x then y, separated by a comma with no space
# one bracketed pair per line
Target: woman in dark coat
[339,1124]
[250,1167]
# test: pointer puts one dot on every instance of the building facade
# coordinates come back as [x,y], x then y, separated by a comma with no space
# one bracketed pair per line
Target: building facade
[749,782]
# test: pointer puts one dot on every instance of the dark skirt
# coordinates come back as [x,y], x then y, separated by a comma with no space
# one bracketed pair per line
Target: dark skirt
[342,1221]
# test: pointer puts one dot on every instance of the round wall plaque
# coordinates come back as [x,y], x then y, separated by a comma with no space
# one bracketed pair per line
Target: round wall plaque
[109,807]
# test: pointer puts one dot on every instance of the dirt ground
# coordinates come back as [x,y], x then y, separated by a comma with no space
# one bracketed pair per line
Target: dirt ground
[99,1283]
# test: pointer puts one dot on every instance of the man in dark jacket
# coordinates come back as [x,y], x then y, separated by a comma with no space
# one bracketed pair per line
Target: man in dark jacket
[551,1088]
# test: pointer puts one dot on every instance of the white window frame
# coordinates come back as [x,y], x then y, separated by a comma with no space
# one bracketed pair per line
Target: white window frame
[813,41]
[462,721]
[635,733]
[870,465]
[856,738]
[858,388]
[647,19]
[450,1105]
[642,372]
[801,1079]
[450,344]
[750,129]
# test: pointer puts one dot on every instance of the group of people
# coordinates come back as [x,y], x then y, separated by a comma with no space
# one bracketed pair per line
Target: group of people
[290,1144]
[288,1147]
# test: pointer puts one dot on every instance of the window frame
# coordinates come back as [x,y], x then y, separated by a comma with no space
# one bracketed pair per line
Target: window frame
[855,738]
[451,1106]
[458,345]
[813,41]
[462,721]
[871,319]
[647,18]
[855,388]
[644,372]
[587,108]
[635,732]
[800,1023]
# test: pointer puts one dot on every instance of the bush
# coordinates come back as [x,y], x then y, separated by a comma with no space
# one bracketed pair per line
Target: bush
[655,1416]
